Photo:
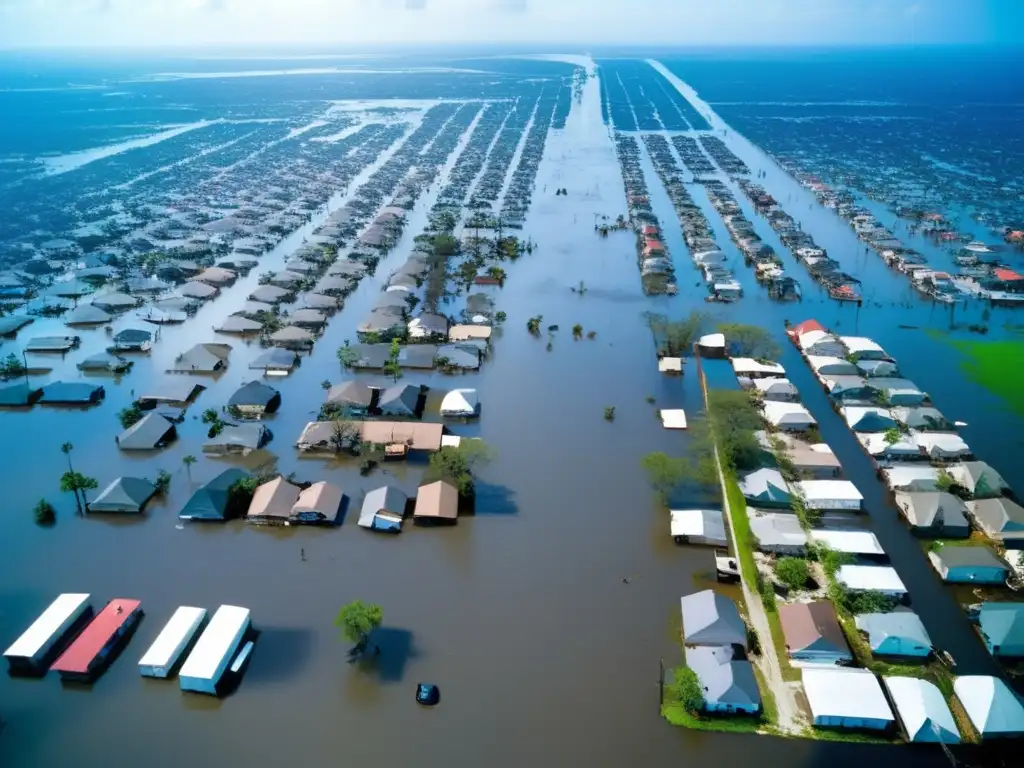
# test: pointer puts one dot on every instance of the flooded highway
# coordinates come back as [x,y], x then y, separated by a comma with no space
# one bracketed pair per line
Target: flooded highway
[543,617]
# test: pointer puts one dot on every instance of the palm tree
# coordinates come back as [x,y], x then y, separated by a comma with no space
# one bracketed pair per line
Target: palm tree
[188,461]
[66,449]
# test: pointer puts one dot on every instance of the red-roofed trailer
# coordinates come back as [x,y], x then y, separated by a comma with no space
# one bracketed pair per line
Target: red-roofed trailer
[93,649]
[806,326]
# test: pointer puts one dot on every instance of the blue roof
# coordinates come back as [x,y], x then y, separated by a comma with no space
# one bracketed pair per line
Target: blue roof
[211,501]
[71,392]
[1002,627]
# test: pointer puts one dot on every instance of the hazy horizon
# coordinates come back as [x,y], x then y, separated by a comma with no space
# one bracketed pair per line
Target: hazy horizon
[366,24]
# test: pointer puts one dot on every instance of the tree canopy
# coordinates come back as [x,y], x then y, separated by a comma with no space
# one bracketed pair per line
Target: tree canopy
[792,571]
[686,690]
[665,473]
[749,341]
[677,337]
[358,619]
[457,465]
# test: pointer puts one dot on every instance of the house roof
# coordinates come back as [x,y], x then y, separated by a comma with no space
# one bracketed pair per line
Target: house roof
[146,433]
[211,501]
[783,414]
[388,498]
[270,294]
[711,619]
[866,577]
[399,399]
[902,624]
[59,392]
[991,705]
[953,556]
[766,485]
[921,417]
[115,301]
[247,436]
[125,494]
[868,418]
[877,367]
[724,680]
[255,393]
[420,436]
[275,359]
[706,523]
[238,324]
[922,710]
[197,290]
[853,694]
[273,499]
[806,326]
[861,344]
[1002,623]
[202,358]
[941,443]
[292,334]
[850,541]
[460,402]
[776,529]
[747,365]
[820,491]
[437,500]
[911,477]
[87,314]
[18,394]
[924,508]
[837,366]
[978,477]
[173,390]
[812,627]
[322,499]
[350,393]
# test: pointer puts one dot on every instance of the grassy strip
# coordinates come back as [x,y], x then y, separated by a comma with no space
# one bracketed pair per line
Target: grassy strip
[820,734]
[745,546]
[677,715]
[769,710]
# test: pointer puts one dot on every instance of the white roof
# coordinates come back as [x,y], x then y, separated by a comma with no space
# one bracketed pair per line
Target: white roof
[670,364]
[450,441]
[460,401]
[990,704]
[177,631]
[782,414]
[846,367]
[874,443]
[845,693]
[881,577]
[673,418]
[946,442]
[854,413]
[860,344]
[819,490]
[811,338]
[49,622]
[922,709]
[905,474]
[769,385]
[217,639]
[851,541]
[749,365]
[712,340]
[693,522]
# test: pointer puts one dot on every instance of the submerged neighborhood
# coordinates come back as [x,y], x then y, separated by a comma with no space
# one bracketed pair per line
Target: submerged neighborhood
[372,345]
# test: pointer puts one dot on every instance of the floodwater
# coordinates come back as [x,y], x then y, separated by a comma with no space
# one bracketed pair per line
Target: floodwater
[543,654]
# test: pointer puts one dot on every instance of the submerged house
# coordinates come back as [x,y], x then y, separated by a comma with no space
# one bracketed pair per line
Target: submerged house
[383,509]
[778,533]
[766,488]
[399,400]
[272,502]
[846,698]
[1002,628]
[275,362]
[979,479]
[19,395]
[436,502]
[255,399]
[832,366]
[813,634]
[866,578]
[1001,519]
[821,344]
[728,684]
[202,358]
[212,501]
[319,503]
[698,526]
[922,419]
[712,619]
[352,397]
[934,513]
[460,403]
[911,478]
[133,340]
[922,711]
[862,348]
[237,439]
[125,494]
[993,708]
[791,417]
[72,393]
[899,633]
[969,565]
[867,418]
[150,432]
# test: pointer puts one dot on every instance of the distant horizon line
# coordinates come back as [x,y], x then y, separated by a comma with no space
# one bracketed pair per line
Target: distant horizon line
[537,47]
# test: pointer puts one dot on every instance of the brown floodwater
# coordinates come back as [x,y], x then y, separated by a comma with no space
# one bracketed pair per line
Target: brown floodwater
[543,654]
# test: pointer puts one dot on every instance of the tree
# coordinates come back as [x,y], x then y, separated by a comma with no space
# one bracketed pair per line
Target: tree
[12,366]
[345,435]
[577,332]
[210,416]
[729,422]
[66,449]
[162,482]
[457,465]
[44,513]
[445,245]
[496,273]
[665,473]
[357,620]
[347,356]
[77,483]
[944,481]
[792,571]
[686,690]
[500,317]
[892,436]
[609,413]
[188,461]
[533,324]
[749,341]
[679,336]
[392,367]
[130,415]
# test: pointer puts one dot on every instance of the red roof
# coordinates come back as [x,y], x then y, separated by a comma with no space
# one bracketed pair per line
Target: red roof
[654,244]
[1002,273]
[81,654]
[650,229]
[806,326]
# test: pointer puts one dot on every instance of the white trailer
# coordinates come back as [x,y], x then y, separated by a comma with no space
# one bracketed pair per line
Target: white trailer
[28,653]
[172,641]
[205,666]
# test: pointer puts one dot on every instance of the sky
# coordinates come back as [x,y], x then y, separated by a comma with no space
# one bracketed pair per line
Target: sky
[355,24]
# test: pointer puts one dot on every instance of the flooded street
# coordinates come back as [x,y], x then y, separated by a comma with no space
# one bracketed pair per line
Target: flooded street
[521,614]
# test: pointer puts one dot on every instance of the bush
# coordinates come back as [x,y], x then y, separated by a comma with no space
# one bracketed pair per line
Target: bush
[686,690]
[792,571]
[130,415]
[44,513]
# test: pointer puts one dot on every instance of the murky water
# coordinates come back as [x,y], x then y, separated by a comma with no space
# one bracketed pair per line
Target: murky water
[544,656]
